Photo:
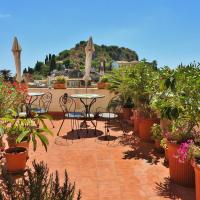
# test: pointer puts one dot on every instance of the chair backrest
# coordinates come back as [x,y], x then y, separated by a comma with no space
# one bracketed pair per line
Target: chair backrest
[114,105]
[67,103]
[45,101]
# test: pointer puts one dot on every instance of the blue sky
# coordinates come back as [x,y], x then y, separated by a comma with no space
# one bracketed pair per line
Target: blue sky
[165,30]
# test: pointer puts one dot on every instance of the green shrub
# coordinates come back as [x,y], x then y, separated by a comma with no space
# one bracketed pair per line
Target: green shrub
[37,184]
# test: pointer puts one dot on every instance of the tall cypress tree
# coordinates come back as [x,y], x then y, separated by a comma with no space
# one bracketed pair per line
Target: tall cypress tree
[49,57]
[46,60]
[53,63]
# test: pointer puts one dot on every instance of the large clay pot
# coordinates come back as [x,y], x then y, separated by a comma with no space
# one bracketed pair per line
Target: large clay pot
[59,86]
[145,128]
[181,173]
[166,154]
[127,112]
[197,179]
[135,120]
[16,159]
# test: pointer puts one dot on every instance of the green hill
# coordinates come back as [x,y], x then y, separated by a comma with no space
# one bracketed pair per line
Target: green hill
[75,57]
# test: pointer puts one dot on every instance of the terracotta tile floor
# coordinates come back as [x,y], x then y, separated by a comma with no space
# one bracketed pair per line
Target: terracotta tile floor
[110,171]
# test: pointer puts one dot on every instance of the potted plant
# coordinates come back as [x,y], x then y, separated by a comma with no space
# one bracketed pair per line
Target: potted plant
[60,82]
[157,136]
[103,83]
[180,172]
[178,102]
[144,86]
[19,132]
[194,151]
[118,85]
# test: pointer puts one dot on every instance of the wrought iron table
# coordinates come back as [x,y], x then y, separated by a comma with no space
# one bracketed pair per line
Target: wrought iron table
[88,100]
[33,96]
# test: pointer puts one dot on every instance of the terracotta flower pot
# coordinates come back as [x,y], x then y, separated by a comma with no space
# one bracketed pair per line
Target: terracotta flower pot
[12,143]
[181,173]
[197,179]
[145,129]
[59,86]
[102,85]
[127,112]
[16,159]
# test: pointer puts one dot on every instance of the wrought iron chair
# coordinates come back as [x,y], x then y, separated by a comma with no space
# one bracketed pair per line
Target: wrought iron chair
[111,114]
[68,106]
[44,104]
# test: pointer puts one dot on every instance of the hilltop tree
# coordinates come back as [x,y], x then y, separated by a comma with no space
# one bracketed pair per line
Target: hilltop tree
[49,57]
[46,60]
[53,63]
[25,71]
[38,66]
[30,70]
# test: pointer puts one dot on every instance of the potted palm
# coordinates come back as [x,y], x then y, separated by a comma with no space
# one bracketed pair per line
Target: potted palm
[19,133]
[118,85]
[60,83]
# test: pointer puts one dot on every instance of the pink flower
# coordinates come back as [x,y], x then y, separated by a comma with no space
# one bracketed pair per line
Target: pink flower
[183,151]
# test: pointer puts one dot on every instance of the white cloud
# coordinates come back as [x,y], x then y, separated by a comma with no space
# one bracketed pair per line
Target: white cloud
[2,16]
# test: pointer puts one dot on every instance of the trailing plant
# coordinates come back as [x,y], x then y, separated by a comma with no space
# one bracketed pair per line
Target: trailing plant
[37,184]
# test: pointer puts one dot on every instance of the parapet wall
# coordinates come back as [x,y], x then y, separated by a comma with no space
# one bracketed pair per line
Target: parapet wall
[56,93]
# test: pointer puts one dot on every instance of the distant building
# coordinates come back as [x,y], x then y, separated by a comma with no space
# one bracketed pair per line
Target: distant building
[117,64]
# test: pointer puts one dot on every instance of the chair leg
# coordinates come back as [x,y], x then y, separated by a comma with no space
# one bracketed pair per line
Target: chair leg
[60,127]
[52,123]
[74,124]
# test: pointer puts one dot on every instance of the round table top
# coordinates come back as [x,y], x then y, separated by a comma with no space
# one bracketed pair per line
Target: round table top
[87,96]
[35,94]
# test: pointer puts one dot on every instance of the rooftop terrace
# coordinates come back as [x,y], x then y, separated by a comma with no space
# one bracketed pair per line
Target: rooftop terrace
[111,170]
